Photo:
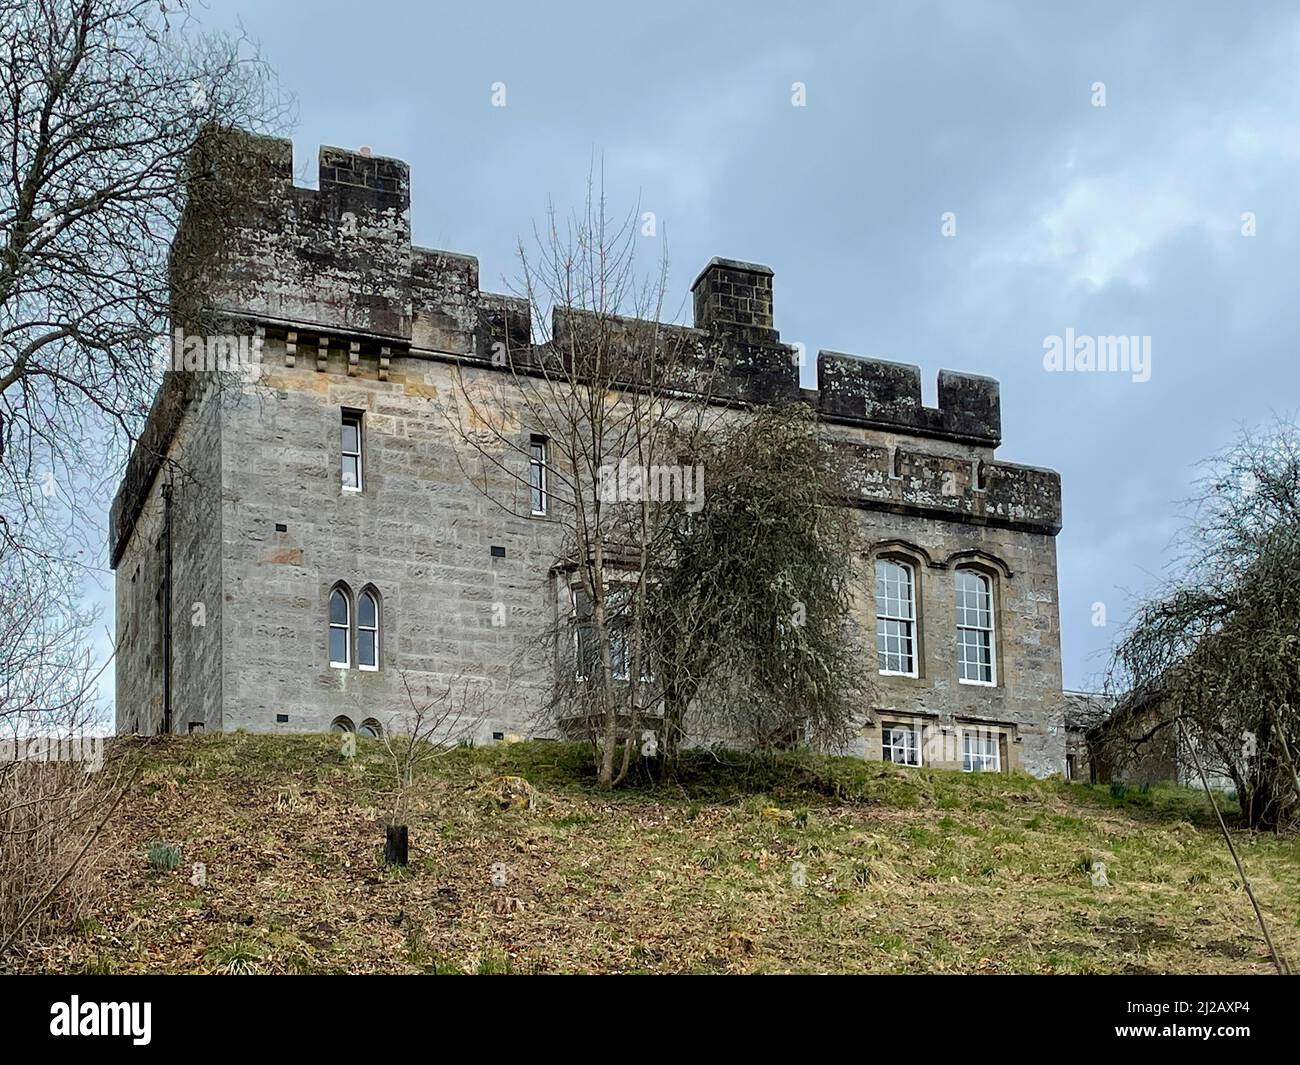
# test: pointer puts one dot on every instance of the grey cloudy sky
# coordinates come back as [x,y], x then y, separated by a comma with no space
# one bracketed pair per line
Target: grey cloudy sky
[1122,219]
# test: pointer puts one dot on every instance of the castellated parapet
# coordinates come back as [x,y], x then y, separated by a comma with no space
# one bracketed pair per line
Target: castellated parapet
[334,268]
[354,316]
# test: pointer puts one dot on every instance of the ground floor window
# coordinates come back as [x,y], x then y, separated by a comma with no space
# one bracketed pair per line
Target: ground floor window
[980,752]
[900,744]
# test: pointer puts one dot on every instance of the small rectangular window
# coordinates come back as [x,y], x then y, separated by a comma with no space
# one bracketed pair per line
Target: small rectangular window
[537,474]
[900,744]
[980,752]
[351,451]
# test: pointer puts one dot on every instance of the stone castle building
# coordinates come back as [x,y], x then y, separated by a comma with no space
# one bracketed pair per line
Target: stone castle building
[284,554]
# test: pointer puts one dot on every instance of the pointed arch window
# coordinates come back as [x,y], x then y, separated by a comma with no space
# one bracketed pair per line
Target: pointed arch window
[368,631]
[340,629]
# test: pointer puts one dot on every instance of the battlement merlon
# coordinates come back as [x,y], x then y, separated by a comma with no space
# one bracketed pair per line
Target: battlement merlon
[888,395]
[337,256]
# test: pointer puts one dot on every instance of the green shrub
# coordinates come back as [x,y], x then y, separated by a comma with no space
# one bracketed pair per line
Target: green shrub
[235,959]
[496,965]
[164,857]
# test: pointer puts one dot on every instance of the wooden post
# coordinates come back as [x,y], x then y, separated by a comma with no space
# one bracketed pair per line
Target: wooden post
[395,844]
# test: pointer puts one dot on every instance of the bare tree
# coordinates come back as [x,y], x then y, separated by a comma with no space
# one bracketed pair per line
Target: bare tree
[431,723]
[103,154]
[1209,664]
[105,104]
[58,782]
[672,596]
[583,424]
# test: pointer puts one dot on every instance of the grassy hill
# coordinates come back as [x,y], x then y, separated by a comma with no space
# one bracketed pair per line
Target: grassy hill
[905,871]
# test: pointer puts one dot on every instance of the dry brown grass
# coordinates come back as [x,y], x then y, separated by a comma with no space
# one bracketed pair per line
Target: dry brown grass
[905,871]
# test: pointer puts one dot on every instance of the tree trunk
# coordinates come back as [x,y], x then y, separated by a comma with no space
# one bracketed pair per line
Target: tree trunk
[395,845]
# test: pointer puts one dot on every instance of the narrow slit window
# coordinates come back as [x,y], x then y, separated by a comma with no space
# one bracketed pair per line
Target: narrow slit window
[351,451]
[617,607]
[537,474]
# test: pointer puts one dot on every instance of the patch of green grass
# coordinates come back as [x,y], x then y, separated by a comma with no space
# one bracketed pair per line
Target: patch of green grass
[495,965]
[164,857]
[237,958]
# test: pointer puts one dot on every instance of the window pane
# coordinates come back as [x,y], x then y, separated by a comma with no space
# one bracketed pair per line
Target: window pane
[366,613]
[902,746]
[365,648]
[338,645]
[338,608]
[618,655]
[586,651]
[581,603]
[351,471]
[351,438]
[894,590]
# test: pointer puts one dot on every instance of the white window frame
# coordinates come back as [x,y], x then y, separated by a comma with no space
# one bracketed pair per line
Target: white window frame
[910,621]
[368,628]
[986,583]
[537,470]
[970,758]
[889,745]
[355,418]
[346,626]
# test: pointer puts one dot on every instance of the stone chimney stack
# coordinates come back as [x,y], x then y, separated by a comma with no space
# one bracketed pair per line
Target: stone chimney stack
[732,296]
